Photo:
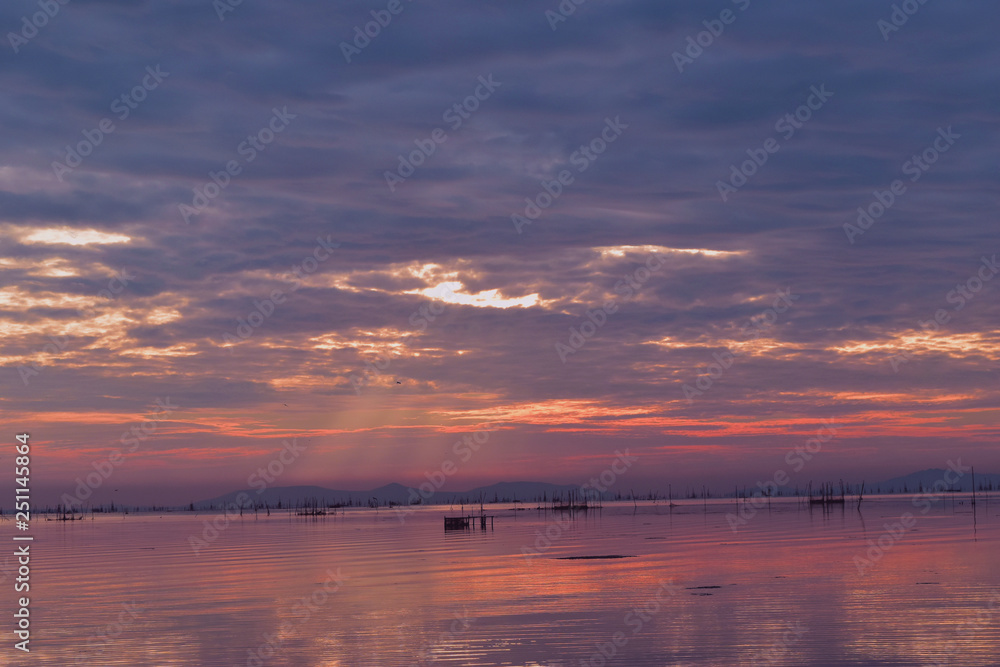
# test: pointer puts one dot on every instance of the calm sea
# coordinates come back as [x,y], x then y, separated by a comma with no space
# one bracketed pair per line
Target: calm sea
[793,585]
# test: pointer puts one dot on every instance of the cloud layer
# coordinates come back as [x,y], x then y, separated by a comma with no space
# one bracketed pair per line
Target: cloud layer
[169,169]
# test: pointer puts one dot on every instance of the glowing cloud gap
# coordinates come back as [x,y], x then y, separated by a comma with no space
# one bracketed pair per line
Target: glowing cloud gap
[622,250]
[448,292]
[71,237]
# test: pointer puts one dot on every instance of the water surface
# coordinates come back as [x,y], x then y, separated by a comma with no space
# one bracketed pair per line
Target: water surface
[364,588]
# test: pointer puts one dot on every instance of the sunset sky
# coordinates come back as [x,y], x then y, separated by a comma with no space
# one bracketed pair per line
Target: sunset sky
[631,142]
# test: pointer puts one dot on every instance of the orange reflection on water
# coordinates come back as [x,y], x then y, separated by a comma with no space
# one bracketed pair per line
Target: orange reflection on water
[367,588]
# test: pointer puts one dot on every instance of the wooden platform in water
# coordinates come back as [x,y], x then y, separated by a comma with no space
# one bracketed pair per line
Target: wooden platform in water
[465,522]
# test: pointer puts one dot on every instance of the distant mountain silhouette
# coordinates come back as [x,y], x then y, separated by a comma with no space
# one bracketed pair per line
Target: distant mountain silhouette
[534,492]
[924,481]
[529,492]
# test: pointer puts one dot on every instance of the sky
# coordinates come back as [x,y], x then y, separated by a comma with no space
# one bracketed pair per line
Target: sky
[461,243]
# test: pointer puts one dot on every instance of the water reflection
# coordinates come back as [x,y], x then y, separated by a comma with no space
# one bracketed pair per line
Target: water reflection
[364,589]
